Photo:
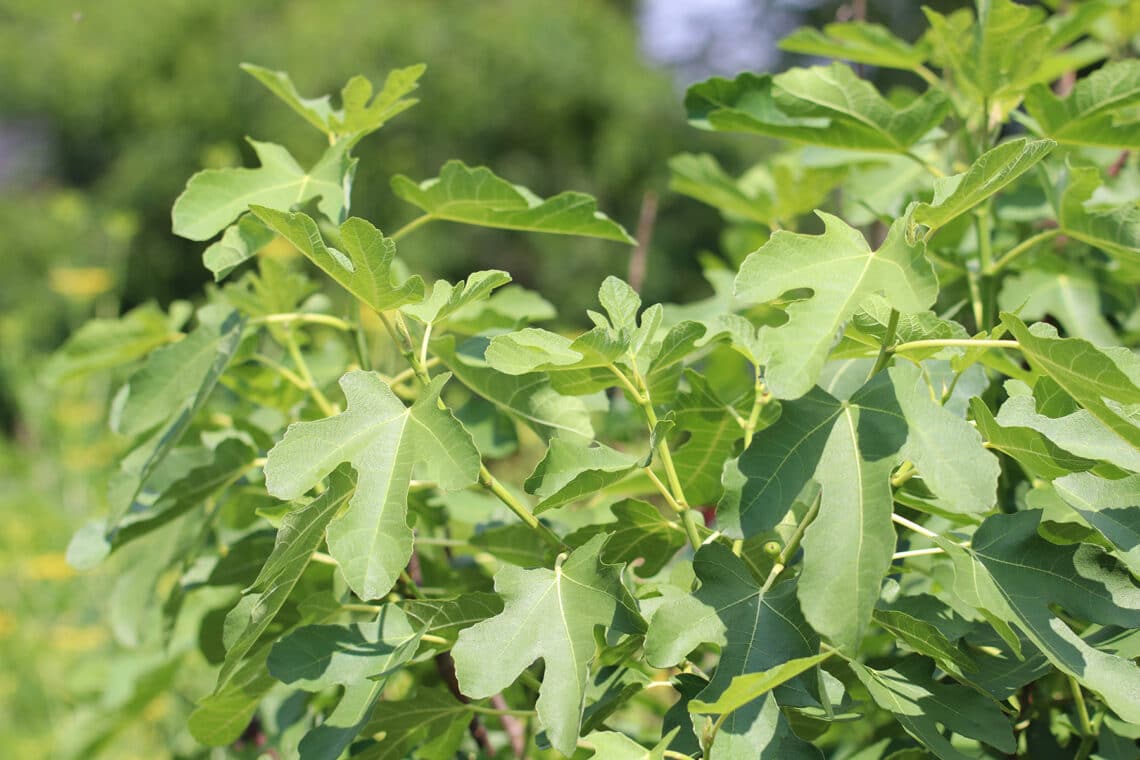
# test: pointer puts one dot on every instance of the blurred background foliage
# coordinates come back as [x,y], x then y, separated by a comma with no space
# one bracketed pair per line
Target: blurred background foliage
[107,108]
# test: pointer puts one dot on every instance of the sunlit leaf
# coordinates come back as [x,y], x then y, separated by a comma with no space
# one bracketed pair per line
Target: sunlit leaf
[366,269]
[477,196]
[548,614]
[215,197]
[1094,112]
[842,271]
[383,440]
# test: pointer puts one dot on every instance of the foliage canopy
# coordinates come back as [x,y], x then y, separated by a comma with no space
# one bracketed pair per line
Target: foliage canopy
[878,496]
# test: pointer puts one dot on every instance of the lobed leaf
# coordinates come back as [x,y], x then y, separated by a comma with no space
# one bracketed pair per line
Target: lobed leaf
[383,440]
[215,197]
[1111,507]
[476,196]
[756,631]
[1016,575]
[365,271]
[1094,111]
[548,614]
[823,105]
[1114,230]
[842,271]
[1103,381]
[856,41]
[989,174]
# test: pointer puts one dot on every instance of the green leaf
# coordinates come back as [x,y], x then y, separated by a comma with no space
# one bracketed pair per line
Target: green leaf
[611,745]
[136,467]
[1093,113]
[842,271]
[925,638]
[780,462]
[823,105]
[445,298]
[328,740]
[316,657]
[1037,454]
[104,344]
[357,117]
[527,397]
[617,337]
[383,440]
[239,243]
[1078,433]
[848,547]
[1110,506]
[1018,574]
[446,617]
[855,41]
[365,271]
[713,430]
[170,374]
[508,308]
[756,631]
[989,174]
[571,471]
[215,197]
[301,533]
[640,532]
[515,543]
[751,686]
[477,196]
[867,330]
[921,705]
[701,177]
[548,614]
[1114,230]
[432,715]
[946,450]
[1071,297]
[1103,381]
[220,718]
[231,459]
[995,58]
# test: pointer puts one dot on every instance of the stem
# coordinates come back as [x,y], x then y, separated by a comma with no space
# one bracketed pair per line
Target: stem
[1022,247]
[927,75]
[424,345]
[884,349]
[664,491]
[411,226]
[954,343]
[920,530]
[310,385]
[282,370]
[370,608]
[405,375]
[1082,709]
[303,318]
[905,473]
[688,519]
[925,164]
[360,342]
[793,545]
[494,711]
[760,399]
[488,481]
[640,394]
[916,553]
